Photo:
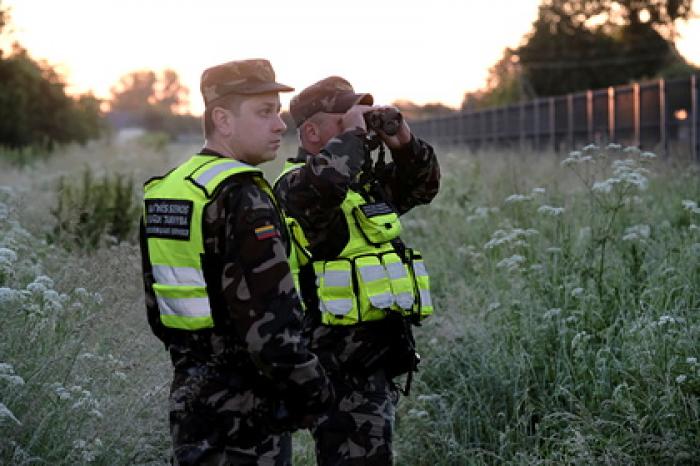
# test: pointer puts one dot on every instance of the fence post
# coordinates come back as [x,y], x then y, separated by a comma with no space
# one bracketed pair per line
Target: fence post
[589,116]
[695,151]
[552,124]
[611,114]
[521,123]
[636,118]
[570,120]
[536,132]
[663,117]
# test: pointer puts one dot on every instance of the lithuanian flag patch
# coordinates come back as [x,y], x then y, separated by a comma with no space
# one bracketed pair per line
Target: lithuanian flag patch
[266,232]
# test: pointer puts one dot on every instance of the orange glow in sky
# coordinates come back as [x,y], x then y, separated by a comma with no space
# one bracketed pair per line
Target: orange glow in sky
[424,51]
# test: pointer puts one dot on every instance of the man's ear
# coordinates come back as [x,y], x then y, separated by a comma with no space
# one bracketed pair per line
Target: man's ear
[311,131]
[223,120]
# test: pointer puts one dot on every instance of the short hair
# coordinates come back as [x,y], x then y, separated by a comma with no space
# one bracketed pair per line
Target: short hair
[317,119]
[230,102]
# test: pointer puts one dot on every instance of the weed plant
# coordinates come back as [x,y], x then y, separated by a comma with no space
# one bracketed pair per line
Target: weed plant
[566,327]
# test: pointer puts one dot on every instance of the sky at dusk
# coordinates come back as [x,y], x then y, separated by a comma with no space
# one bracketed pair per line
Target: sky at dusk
[424,51]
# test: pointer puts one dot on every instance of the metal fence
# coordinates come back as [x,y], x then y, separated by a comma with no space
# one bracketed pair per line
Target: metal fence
[661,116]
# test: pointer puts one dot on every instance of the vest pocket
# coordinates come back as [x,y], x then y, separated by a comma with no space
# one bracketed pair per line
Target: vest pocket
[373,287]
[377,222]
[424,304]
[335,292]
[400,281]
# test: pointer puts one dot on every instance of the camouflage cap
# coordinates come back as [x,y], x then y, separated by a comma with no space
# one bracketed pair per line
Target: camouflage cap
[246,77]
[331,95]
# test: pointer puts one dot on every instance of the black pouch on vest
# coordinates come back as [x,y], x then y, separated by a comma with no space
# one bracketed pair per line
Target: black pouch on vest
[401,357]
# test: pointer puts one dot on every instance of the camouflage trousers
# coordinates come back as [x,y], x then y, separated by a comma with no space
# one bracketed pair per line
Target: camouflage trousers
[214,423]
[357,430]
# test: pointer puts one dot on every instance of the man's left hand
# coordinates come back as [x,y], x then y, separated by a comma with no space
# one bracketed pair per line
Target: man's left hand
[401,138]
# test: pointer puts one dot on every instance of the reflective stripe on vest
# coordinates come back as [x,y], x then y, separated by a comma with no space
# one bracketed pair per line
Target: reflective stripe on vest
[180,288]
[423,284]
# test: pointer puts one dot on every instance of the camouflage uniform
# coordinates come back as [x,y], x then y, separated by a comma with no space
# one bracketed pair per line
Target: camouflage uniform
[358,429]
[240,387]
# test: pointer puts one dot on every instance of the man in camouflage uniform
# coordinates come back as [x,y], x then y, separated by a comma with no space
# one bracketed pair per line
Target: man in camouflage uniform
[243,376]
[357,430]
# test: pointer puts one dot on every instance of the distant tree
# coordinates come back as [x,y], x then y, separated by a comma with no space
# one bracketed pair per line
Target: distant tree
[35,109]
[582,44]
[154,102]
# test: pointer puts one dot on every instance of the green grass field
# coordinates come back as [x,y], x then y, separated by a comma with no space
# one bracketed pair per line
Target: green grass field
[567,325]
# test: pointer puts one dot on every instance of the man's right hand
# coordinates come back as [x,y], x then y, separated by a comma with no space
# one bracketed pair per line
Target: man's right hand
[354,118]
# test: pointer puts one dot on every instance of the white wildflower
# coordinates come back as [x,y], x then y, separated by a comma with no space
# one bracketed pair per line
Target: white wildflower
[12,379]
[120,375]
[551,211]
[571,320]
[691,206]
[9,295]
[537,267]
[665,319]
[60,391]
[637,232]
[36,288]
[52,301]
[575,154]
[8,255]
[539,191]
[511,263]
[614,146]
[554,250]
[6,413]
[577,292]
[429,398]
[631,150]
[551,313]
[7,373]
[694,227]
[605,186]
[47,282]
[691,360]
[96,413]
[590,148]
[681,378]
[419,413]
[579,338]
[516,198]
[648,155]
[493,306]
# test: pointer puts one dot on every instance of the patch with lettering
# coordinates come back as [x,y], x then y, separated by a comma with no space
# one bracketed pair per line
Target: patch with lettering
[372,210]
[266,232]
[168,218]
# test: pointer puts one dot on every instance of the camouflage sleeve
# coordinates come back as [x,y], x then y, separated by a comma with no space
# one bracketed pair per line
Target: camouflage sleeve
[413,177]
[313,193]
[262,302]
[152,311]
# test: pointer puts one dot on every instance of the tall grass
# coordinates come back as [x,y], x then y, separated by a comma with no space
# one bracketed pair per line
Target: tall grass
[577,300]
[566,329]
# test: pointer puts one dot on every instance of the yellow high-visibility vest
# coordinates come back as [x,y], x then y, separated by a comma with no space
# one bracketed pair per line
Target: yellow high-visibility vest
[368,280]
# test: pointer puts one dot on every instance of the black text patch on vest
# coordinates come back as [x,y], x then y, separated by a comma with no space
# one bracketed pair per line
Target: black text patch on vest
[168,218]
[372,210]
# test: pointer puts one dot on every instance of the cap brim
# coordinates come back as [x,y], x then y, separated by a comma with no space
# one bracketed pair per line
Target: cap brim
[264,88]
[347,100]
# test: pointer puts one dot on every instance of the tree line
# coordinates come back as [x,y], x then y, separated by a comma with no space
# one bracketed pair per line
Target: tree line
[573,45]
[576,45]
